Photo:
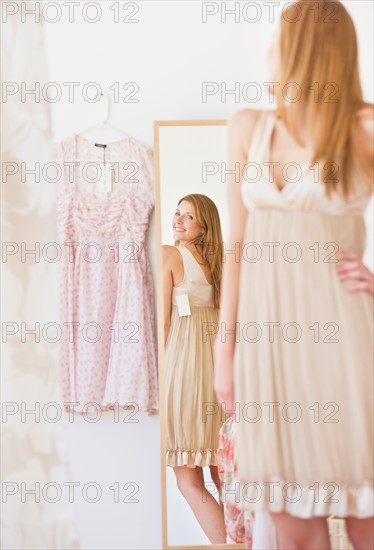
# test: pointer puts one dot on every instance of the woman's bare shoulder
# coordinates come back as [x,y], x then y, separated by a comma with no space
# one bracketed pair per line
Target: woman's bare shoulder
[244,117]
[170,255]
[241,125]
[168,250]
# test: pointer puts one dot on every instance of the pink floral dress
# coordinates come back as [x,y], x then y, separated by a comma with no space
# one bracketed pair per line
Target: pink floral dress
[108,347]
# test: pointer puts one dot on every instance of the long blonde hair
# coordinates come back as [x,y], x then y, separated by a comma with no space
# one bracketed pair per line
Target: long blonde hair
[319,52]
[207,216]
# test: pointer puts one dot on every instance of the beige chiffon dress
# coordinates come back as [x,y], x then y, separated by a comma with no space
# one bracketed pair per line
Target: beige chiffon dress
[303,366]
[194,417]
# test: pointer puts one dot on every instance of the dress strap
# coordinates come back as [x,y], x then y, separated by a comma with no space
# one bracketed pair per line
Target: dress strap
[192,269]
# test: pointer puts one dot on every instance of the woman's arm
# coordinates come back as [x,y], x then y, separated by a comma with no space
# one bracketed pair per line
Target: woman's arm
[240,128]
[352,268]
[167,278]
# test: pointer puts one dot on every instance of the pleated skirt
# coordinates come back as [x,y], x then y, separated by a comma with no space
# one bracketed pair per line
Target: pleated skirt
[194,416]
[303,369]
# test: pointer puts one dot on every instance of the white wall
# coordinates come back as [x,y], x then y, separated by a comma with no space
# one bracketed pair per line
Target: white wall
[169,53]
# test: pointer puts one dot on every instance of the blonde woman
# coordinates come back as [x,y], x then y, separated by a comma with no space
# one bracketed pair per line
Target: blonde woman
[192,282]
[299,365]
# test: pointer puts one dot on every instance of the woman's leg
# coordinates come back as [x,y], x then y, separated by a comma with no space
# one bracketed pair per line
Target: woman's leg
[360,532]
[301,534]
[209,514]
[217,482]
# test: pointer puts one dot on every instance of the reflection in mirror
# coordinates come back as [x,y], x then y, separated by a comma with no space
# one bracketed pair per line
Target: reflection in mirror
[199,487]
[196,431]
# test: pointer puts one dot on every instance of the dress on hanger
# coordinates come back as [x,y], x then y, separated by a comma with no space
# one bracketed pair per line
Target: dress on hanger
[303,366]
[108,351]
[194,417]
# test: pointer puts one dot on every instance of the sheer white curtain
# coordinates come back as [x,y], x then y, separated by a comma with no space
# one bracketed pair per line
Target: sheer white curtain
[34,453]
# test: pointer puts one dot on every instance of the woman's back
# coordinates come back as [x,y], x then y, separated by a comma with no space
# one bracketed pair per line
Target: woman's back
[194,283]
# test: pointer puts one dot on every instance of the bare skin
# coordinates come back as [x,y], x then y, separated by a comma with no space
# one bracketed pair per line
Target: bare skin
[190,481]
[208,512]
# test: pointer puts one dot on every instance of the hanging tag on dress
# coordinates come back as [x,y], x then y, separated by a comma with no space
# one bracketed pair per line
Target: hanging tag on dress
[183,305]
[108,179]
[104,183]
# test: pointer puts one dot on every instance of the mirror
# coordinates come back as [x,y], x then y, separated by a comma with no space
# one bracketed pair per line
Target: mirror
[190,158]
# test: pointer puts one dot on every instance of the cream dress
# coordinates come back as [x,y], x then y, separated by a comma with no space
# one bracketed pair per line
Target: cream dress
[303,366]
[194,417]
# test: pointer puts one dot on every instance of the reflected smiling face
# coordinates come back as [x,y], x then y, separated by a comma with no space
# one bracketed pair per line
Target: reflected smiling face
[185,225]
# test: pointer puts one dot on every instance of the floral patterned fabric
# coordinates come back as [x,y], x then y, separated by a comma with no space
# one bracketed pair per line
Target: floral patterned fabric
[239,522]
[106,281]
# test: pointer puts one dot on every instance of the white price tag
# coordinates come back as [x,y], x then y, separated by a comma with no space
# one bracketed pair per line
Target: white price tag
[183,305]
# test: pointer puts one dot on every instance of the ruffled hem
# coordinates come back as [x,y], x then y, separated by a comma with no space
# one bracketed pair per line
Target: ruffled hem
[192,459]
[306,501]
